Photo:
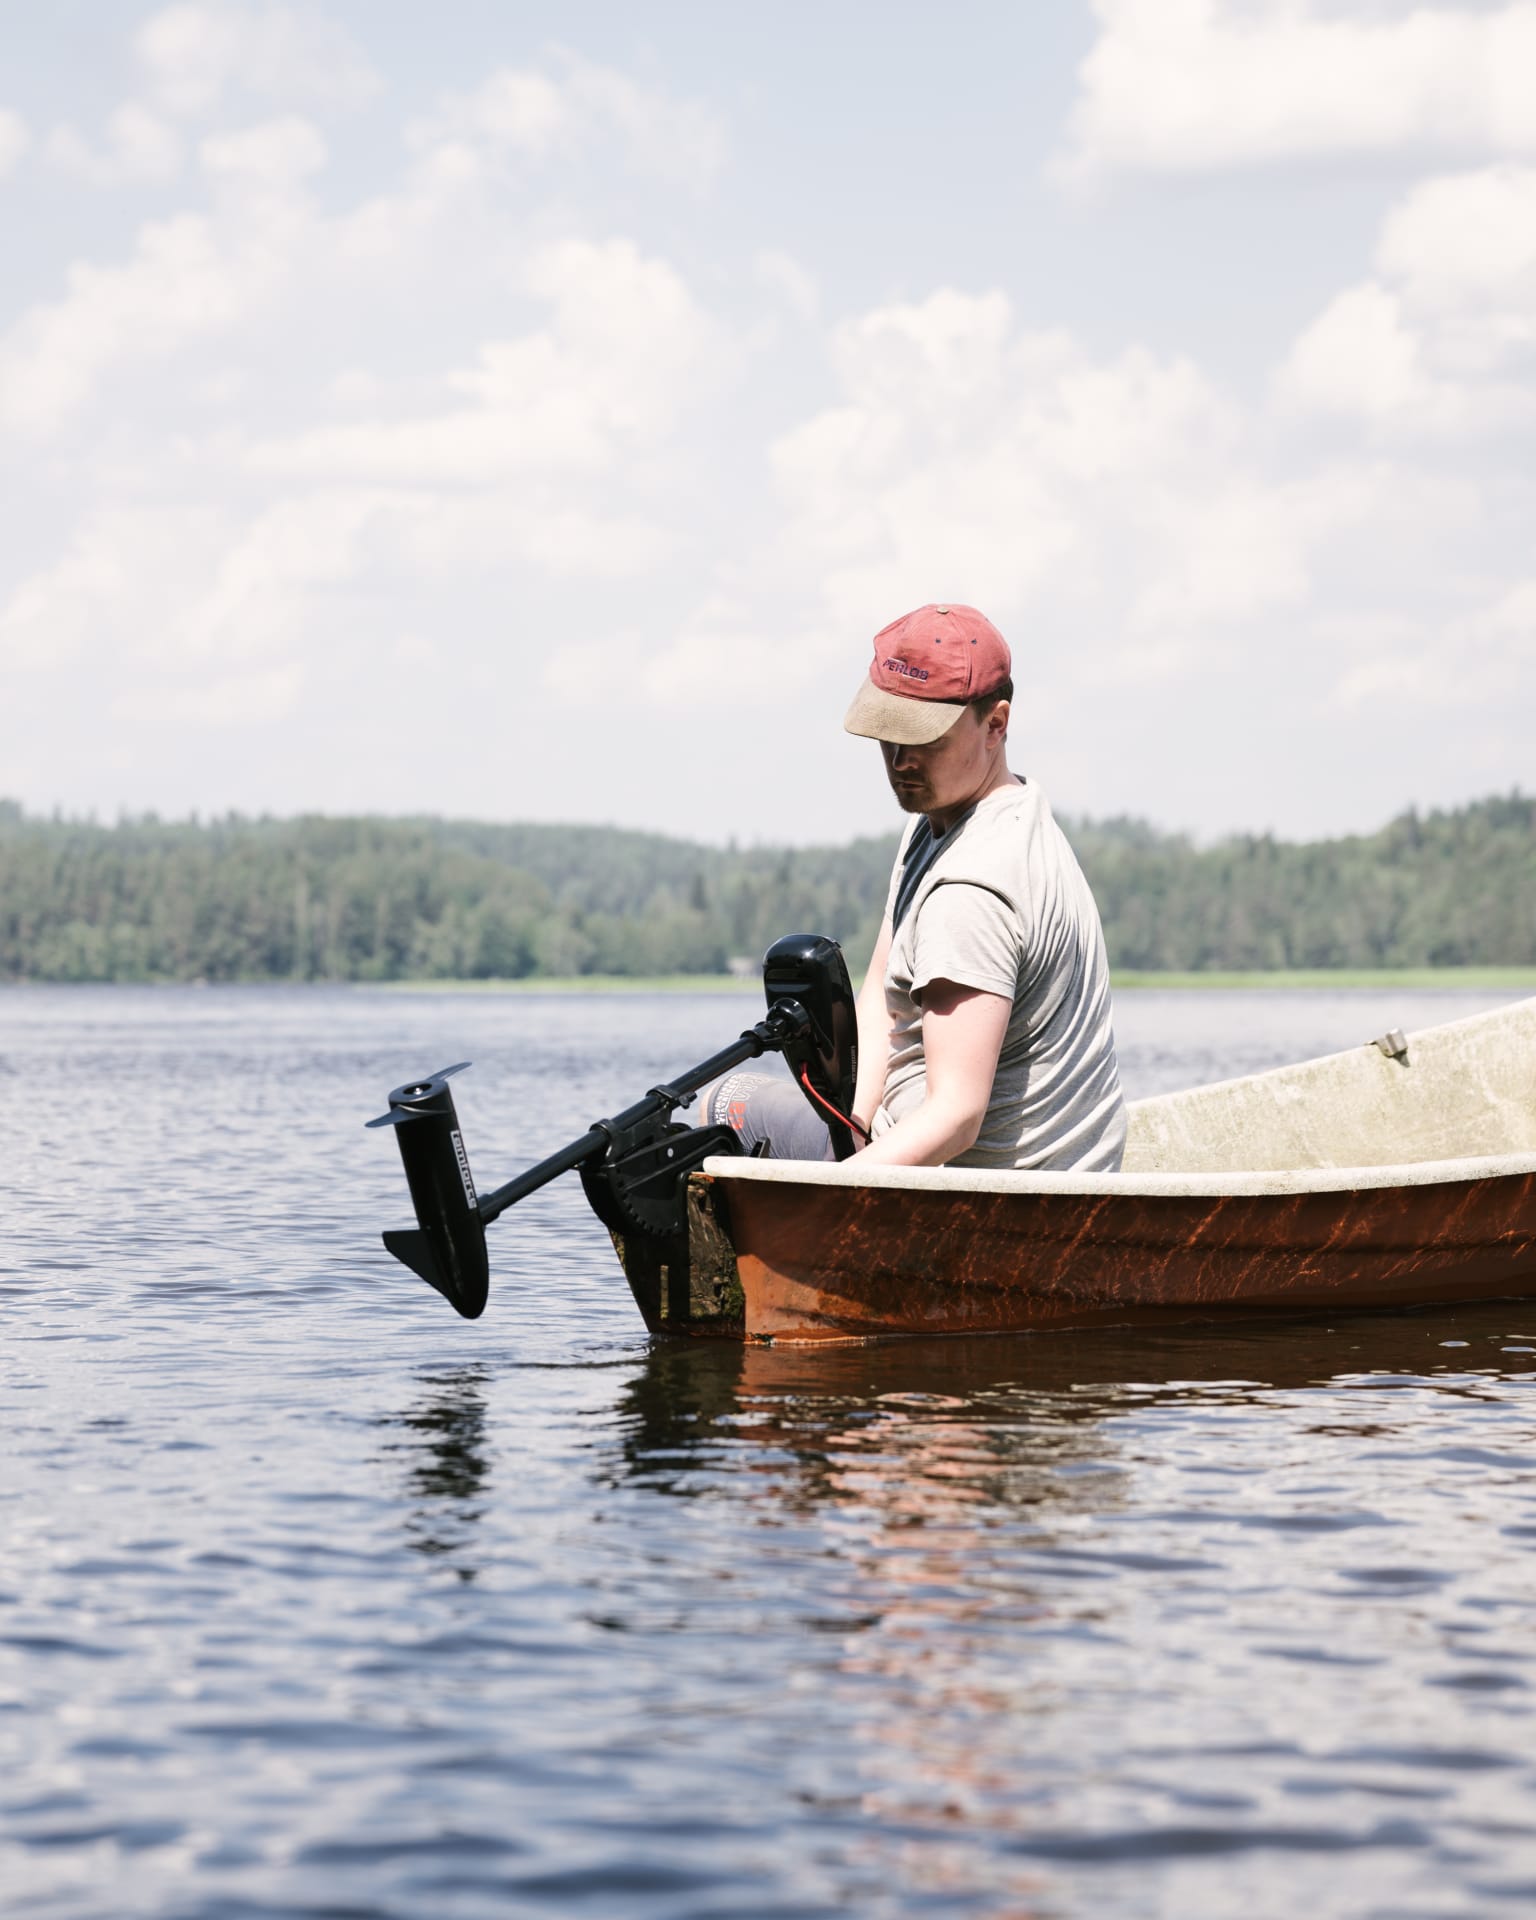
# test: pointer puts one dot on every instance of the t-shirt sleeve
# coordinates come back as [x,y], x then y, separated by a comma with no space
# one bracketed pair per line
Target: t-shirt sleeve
[967,934]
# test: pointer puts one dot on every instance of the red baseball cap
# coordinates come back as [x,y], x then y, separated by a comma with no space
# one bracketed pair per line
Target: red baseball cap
[927,666]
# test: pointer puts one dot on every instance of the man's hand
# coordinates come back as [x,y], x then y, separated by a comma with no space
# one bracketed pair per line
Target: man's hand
[963,1032]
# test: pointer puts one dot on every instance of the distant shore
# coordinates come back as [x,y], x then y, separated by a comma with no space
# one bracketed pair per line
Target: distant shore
[1469,979]
[1433,899]
[1294,980]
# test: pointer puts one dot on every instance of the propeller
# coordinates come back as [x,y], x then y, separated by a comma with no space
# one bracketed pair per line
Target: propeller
[405,1102]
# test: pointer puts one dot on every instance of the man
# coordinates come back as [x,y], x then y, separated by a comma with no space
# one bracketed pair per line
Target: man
[984,1018]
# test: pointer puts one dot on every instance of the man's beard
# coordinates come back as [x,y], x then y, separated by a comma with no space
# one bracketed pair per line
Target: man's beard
[912,799]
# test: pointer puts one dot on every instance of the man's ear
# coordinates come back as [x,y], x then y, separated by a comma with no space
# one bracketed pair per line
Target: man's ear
[997,720]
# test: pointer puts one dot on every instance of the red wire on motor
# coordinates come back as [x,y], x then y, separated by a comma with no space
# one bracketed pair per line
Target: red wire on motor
[853,1126]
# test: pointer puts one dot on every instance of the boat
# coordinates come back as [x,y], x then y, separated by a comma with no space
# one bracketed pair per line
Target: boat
[1399,1173]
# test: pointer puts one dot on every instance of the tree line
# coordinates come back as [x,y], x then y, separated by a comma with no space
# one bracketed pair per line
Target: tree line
[370,899]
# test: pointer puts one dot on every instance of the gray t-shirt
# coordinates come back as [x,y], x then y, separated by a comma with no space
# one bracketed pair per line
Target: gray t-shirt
[999,903]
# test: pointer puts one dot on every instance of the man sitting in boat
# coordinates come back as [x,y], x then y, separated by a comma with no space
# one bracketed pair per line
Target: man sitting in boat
[984,1018]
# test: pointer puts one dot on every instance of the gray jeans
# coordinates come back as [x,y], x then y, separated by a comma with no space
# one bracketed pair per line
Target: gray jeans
[766,1106]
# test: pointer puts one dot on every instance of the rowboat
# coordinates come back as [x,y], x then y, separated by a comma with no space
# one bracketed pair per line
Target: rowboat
[1399,1173]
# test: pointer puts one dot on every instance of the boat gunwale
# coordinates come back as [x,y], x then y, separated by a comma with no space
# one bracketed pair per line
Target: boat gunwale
[1169,1185]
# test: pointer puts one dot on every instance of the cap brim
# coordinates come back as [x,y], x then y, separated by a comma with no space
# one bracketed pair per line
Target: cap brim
[905,722]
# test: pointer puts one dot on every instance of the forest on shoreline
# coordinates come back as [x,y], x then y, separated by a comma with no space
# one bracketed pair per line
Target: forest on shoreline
[375,899]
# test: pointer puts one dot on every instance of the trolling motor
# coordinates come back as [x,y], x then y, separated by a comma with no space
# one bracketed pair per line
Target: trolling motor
[633,1167]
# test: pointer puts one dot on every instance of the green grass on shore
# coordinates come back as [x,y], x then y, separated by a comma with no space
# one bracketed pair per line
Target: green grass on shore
[583,983]
[1487,979]
[1496,979]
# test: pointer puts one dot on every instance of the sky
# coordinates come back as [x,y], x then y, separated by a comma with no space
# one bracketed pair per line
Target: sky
[532,413]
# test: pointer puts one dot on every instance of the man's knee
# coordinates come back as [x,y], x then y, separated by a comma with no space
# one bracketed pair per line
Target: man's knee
[768,1114]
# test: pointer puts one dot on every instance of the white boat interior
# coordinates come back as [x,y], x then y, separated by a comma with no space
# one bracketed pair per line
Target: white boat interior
[1461,1091]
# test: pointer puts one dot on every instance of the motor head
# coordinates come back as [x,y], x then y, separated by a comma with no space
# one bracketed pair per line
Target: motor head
[809,969]
[448,1247]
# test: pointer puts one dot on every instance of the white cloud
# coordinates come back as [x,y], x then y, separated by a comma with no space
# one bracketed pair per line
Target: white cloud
[186,613]
[1467,236]
[627,350]
[126,578]
[1360,356]
[1484,658]
[1192,85]
[14,141]
[187,278]
[191,278]
[1223,557]
[137,146]
[220,702]
[165,629]
[715,656]
[968,456]
[709,653]
[262,592]
[195,56]
[1462,252]
[545,468]
[1443,339]
[515,108]
[453,537]
[782,275]
[530,114]
[273,157]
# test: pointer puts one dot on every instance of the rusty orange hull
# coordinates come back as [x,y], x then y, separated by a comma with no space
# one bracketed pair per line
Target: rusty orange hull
[821,1257]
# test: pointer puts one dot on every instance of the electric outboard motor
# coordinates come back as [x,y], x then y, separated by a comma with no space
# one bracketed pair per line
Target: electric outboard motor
[823,1055]
[634,1166]
[448,1248]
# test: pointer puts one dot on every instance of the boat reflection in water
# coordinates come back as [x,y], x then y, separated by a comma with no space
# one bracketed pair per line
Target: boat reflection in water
[1010,1398]
[1010,1557]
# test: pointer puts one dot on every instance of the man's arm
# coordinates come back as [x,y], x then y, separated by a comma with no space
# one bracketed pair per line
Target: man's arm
[963,1033]
[874,1025]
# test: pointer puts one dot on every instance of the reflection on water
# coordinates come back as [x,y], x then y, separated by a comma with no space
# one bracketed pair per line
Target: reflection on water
[1107,1599]
[688,1400]
[315,1599]
[446,1456]
[972,1417]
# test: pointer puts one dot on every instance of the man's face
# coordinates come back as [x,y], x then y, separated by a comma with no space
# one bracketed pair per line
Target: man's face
[947,774]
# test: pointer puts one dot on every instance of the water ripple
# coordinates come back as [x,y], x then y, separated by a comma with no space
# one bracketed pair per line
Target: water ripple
[317,1601]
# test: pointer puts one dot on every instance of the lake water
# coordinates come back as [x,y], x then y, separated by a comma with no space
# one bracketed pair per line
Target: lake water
[316,1600]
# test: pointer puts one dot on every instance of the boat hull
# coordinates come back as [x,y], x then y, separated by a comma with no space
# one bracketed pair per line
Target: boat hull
[821,1262]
